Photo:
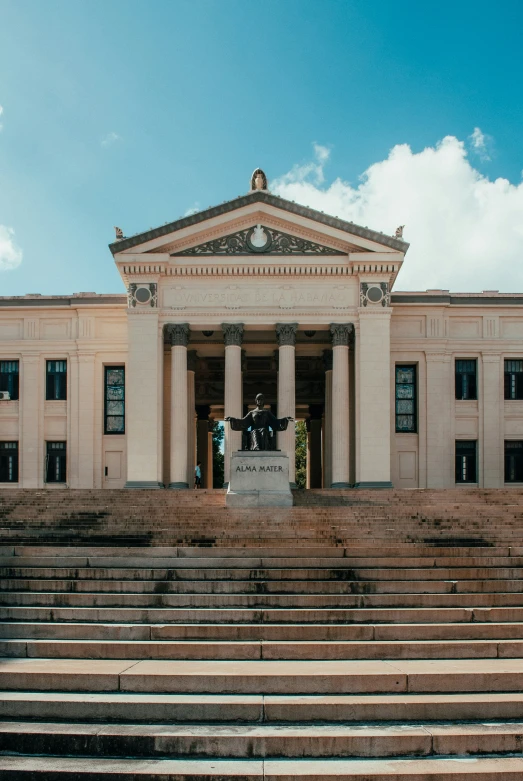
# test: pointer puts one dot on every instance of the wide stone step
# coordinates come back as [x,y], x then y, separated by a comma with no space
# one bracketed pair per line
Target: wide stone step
[256,708]
[15,768]
[263,741]
[262,615]
[292,601]
[283,632]
[263,677]
[93,586]
[290,649]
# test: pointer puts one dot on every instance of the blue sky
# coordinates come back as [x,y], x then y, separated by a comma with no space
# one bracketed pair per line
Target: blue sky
[133,112]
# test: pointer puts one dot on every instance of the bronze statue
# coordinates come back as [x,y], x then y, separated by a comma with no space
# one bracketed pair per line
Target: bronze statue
[261,426]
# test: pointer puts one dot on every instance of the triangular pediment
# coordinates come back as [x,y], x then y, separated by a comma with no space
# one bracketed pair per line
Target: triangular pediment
[238,227]
[258,240]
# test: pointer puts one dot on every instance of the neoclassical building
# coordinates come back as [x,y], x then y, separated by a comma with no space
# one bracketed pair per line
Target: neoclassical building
[260,294]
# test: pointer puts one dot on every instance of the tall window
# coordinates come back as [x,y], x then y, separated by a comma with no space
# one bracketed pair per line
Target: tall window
[114,409]
[466,461]
[406,398]
[56,380]
[55,462]
[8,462]
[466,383]
[513,379]
[513,461]
[9,378]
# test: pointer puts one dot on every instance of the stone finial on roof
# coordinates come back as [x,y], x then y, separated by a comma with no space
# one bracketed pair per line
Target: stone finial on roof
[119,233]
[399,232]
[258,180]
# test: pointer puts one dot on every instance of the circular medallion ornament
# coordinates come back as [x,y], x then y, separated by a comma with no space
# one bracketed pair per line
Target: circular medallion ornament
[375,294]
[259,239]
[142,295]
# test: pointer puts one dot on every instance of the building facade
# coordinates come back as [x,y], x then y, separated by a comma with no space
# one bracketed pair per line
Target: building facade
[259,294]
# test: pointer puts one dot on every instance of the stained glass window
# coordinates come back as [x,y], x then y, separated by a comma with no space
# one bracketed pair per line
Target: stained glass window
[466,461]
[114,411]
[406,411]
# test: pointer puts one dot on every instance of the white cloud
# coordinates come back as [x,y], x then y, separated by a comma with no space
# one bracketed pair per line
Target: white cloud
[10,252]
[1,112]
[109,139]
[193,210]
[481,144]
[465,230]
[313,169]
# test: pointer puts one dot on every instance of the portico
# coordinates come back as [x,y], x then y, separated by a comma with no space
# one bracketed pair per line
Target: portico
[260,295]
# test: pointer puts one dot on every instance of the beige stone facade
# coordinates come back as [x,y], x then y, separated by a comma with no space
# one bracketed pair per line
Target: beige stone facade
[260,294]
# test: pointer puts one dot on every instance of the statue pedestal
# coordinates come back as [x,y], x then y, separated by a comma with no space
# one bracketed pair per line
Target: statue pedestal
[259,478]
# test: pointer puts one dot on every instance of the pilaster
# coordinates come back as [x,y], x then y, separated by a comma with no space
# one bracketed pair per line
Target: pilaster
[143,391]
[440,410]
[31,447]
[492,409]
[374,406]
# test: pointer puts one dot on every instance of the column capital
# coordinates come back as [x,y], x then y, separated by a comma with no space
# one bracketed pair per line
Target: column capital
[178,334]
[232,334]
[341,333]
[286,333]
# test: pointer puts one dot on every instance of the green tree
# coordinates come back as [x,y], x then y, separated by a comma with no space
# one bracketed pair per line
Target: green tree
[301,454]
[217,454]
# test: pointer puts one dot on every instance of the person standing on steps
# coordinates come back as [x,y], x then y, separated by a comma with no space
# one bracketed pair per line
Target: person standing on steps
[198,475]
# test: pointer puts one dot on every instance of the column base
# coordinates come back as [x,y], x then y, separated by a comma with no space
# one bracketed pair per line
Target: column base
[374,484]
[341,485]
[178,486]
[143,484]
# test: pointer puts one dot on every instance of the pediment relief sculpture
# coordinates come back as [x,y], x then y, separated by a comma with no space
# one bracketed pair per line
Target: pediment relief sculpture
[259,240]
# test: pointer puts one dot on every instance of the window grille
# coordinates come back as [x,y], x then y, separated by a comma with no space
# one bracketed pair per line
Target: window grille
[114,400]
[55,462]
[56,380]
[9,378]
[466,461]
[406,412]
[466,379]
[513,379]
[513,461]
[8,462]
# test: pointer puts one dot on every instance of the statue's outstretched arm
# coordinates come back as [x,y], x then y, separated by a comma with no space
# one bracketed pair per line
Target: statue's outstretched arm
[279,424]
[239,424]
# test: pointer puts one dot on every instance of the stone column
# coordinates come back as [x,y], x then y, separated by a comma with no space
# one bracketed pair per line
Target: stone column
[374,397]
[143,400]
[491,450]
[191,417]
[31,453]
[440,408]
[203,450]
[340,466]
[233,337]
[286,333]
[314,451]
[179,337]
[327,421]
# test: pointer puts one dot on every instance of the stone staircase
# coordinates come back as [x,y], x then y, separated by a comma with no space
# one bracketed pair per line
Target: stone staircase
[376,637]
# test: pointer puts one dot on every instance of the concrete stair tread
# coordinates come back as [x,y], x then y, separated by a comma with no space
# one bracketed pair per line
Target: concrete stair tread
[261,740]
[267,676]
[261,649]
[439,769]
[143,707]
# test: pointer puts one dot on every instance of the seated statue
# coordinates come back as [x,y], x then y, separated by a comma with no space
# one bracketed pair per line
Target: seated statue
[260,425]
